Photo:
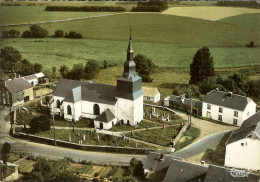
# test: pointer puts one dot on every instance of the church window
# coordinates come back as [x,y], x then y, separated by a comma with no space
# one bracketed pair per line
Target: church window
[68,110]
[236,113]
[58,103]
[96,109]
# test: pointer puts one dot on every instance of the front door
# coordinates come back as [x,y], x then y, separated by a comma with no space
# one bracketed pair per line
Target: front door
[101,126]
[26,98]
[208,114]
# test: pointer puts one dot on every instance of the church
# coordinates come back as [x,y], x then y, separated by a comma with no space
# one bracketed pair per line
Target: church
[105,104]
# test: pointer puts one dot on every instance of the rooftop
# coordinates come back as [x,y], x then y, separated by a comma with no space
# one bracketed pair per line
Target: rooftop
[105,116]
[17,85]
[151,91]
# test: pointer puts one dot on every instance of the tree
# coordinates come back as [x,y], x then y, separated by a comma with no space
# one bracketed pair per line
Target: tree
[6,149]
[77,72]
[53,72]
[202,66]
[64,70]
[38,32]
[26,34]
[37,67]
[144,67]
[25,67]
[58,33]
[9,56]
[251,44]
[91,69]
[105,64]
[40,123]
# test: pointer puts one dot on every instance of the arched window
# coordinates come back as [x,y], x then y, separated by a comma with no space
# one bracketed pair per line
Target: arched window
[68,110]
[58,103]
[96,109]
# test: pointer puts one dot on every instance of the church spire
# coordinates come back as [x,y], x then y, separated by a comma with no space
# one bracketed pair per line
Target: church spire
[129,65]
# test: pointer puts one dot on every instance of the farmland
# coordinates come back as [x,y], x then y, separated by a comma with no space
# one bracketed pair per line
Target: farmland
[212,13]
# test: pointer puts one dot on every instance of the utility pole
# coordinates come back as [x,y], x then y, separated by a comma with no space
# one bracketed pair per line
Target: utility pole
[54,129]
[190,110]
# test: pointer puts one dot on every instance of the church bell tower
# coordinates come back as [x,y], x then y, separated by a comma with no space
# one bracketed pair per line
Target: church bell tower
[129,92]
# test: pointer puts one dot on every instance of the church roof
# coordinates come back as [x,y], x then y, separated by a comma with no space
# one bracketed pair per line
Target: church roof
[74,90]
[105,116]
[227,99]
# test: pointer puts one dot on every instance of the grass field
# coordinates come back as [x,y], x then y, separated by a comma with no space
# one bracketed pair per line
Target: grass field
[29,14]
[251,21]
[67,51]
[213,13]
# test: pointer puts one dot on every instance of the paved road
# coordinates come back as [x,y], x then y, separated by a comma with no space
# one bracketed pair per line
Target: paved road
[59,152]
[201,145]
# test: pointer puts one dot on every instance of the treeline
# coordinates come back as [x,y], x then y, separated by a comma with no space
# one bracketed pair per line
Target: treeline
[71,34]
[248,4]
[151,6]
[85,8]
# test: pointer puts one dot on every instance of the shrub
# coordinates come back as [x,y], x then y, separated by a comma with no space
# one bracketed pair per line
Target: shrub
[40,123]
[35,32]
[58,33]
[11,34]
[85,8]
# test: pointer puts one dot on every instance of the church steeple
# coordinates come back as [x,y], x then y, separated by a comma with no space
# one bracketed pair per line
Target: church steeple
[129,65]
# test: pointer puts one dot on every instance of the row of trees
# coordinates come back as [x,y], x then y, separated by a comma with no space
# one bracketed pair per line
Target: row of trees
[35,32]
[71,34]
[11,61]
[203,78]
[248,4]
[85,8]
[151,6]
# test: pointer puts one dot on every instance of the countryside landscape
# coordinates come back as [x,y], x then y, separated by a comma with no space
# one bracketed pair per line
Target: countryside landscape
[79,45]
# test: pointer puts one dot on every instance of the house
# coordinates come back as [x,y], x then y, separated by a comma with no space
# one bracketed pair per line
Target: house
[243,146]
[15,91]
[32,79]
[105,104]
[184,104]
[41,78]
[218,173]
[151,94]
[167,168]
[227,107]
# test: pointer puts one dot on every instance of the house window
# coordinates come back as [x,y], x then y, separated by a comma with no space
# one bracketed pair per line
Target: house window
[235,113]
[96,109]
[68,110]
[208,106]
[220,110]
[148,98]
[58,103]
[220,117]
[235,121]
[242,144]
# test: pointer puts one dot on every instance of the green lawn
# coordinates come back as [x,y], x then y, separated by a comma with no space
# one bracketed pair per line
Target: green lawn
[29,14]
[159,136]
[124,127]
[188,137]
[55,52]
[251,21]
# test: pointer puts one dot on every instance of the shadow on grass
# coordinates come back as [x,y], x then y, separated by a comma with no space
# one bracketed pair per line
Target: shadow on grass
[217,156]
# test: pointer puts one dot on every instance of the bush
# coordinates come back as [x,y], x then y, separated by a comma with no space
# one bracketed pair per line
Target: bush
[11,34]
[251,44]
[151,6]
[73,35]
[85,8]
[40,123]
[58,33]
[91,69]
[35,32]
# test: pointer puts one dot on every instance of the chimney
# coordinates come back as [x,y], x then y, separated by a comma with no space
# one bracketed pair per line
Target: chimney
[14,75]
[230,94]
[161,158]
[202,163]
[217,89]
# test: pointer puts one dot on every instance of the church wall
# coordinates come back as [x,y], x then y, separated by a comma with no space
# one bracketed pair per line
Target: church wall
[138,109]
[77,110]
[106,126]
[88,108]
[66,115]
[125,110]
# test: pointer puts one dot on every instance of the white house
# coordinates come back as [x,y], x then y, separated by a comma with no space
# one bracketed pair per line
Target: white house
[151,94]
[32,79]
[106,104]
[243,146]
[227,107]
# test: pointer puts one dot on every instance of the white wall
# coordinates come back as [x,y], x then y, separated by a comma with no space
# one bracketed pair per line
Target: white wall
[249,110]
[35,81]
[66,116]
[152,99]
[227,114]
[138,110]
[106,126]
[247,156]
[166,101]
[125,110]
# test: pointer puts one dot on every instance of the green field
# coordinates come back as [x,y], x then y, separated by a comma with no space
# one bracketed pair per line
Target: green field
[29,14]
[251,21]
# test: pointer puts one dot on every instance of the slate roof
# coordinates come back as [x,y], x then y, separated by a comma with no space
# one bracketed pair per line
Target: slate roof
[150,92]
[195,103]
[221,98]
[153,162]
[217,173]
[248,126]
[105,116]
[93,92]
[180,171]
[17,85]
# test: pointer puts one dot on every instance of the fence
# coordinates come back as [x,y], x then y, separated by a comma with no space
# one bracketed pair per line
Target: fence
[162,107]
[112,149]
